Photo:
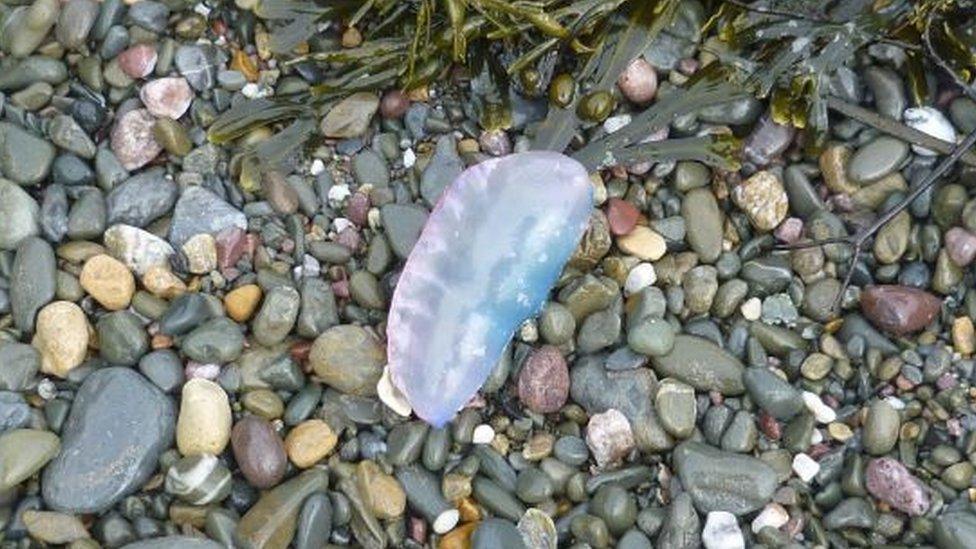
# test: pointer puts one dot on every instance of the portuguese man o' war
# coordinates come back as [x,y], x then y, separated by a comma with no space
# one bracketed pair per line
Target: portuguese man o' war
[488,256]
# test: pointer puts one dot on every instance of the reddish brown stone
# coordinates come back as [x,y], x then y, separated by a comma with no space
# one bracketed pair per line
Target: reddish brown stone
[543,383]
[394,104]
[889,480]
[259,452]
[138,61]
[769,426]
[357,208]
[230,247]
[899,310]
[622,216]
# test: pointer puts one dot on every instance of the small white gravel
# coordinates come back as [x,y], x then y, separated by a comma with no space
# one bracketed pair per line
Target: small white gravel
[805,467]
[640,277]
[317,166]
[722,531]
[751,309]
[822,412]
[773,514]
[483,434]
[615,123]
[446,521]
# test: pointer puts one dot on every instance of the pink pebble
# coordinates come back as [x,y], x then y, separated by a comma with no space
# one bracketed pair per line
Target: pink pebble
[961,245]
[888,480]
[167,97]
[138,61]
[204,371]
[789,230]
[132,139]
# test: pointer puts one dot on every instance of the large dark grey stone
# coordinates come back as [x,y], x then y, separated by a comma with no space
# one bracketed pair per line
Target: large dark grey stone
[118,426]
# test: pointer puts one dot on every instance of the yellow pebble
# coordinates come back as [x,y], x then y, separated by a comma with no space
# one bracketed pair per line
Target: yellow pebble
[963,335]
[310,441]
[242,302]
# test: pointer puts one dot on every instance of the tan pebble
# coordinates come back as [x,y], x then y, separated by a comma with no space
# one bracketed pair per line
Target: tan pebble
[201,253]
[764,200]
[62,337]
[963,335]
[643,243]
[833,166]
[242,302]
[204,424]
[839,431]
[108,281]
[54,528]
[162,283]
[382,492]
[309,442]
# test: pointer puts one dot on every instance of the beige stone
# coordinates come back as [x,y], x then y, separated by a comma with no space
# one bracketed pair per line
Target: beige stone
[833,166]
[382,492]
[204,424]
[309,442]
[242,302]
[201,253]
[108,281]
[162,283]
[643,243]
[764,200]
[61,338]
[963,335]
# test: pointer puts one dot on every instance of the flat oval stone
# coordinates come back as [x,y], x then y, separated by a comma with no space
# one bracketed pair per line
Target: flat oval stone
[495,243]
[19,215]
[174,542]
[107,454]
[899,310]
[888,480]
[32,281]
[877,159]
[701,364]
[723,481]
[259,451]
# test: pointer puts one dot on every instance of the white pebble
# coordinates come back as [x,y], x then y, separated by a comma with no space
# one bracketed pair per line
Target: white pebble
[640,277]
[252,91]
[816,437]
[805,467]
[483,434]
[201,9]
[409,158]
[446,521]
[338,193]
[931,121]
[614,123]
[46,389]
[751,309]
[722,531]
[340,224]
[772,515]
[822,412]
[529,332]
[895,403]
[317,166]
[391,396]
